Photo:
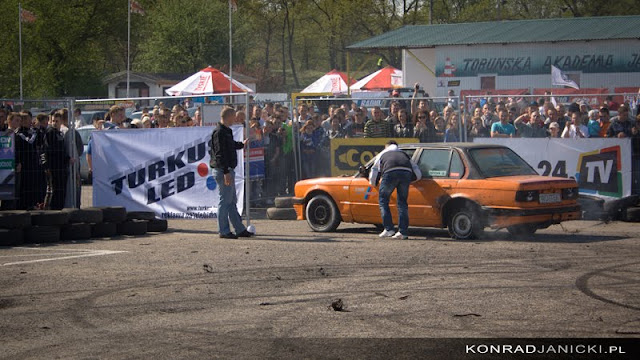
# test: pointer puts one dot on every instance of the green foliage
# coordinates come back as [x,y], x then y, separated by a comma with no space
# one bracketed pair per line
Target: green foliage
[284,43]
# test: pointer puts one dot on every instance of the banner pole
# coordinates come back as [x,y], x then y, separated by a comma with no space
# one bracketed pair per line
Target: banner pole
[20,41]
[231,51]
[128,45]
[247,169]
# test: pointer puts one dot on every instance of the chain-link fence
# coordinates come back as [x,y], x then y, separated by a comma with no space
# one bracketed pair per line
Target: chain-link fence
[40,155]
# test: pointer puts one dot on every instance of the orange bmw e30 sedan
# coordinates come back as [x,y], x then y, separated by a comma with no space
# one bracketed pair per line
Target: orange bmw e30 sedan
[464,187]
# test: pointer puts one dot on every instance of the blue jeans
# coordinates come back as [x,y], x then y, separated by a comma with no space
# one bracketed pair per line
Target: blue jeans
[227,209]
[400,180]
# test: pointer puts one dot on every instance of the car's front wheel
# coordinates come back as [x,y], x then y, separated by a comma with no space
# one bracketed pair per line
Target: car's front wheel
[322,214]
[465,224]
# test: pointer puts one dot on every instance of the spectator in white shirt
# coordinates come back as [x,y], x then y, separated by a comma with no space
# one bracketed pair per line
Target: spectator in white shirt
[577,129]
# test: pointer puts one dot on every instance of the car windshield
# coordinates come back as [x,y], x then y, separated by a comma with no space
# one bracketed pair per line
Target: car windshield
[494,162]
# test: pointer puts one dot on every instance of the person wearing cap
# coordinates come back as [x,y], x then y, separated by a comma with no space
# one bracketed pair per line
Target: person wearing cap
[533,127]
[136,124]
[620,125]
[554,130]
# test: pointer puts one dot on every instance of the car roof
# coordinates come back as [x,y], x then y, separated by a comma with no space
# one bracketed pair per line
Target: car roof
[458,145]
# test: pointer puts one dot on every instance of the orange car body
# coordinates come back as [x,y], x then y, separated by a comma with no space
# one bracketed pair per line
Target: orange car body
[500,201]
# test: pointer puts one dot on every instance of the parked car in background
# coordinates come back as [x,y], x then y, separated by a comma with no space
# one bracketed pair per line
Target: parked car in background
[465,188]
[89,116]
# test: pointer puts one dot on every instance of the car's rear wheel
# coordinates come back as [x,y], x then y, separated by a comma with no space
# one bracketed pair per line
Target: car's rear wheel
[465,224]
[322,214]
[522,229]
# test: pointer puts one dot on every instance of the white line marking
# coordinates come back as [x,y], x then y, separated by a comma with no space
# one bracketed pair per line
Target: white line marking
[88,253]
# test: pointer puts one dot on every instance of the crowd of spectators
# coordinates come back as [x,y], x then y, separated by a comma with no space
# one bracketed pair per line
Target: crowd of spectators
[42,144]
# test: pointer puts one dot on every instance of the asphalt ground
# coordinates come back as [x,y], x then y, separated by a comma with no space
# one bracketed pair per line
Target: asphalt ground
[188,294]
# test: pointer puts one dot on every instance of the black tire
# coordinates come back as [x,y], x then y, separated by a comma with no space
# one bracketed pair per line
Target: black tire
[11,237]
[465,224]
[79,231]
[522,229]
[104,230]
[322,214]
[157,225]
[87,216]
[141,215]
[14,219]
[49,218]
[281,214]
[113,214]
[133,228]
[42,234]
[632,214]
[284,202]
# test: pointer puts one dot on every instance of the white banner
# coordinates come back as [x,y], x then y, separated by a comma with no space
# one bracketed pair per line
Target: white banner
[161,170]
[601,166]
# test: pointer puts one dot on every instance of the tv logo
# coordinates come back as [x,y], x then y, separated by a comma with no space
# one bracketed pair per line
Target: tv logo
[599,172]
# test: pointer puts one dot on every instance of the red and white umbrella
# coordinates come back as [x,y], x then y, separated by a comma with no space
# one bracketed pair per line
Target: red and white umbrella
[207,81]
[383,79]
[334,82]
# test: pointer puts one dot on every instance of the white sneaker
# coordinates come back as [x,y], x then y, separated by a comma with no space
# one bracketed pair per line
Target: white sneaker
[387,233]
[398,235]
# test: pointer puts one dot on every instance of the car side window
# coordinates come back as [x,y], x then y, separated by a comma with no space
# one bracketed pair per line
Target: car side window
[457,167]
[434,163]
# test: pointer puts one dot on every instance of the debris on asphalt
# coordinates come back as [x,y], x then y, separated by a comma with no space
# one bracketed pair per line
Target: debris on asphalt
[403,297]
[266,303]
[337,305]
[381,294]
[464,315]
[323,272]
[208,268]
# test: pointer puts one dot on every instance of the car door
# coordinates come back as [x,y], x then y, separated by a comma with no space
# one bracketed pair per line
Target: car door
[441,169]
[363,198]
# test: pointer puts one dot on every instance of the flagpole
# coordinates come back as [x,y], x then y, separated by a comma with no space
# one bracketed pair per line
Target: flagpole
[230,51]
[128,45]
[20,41]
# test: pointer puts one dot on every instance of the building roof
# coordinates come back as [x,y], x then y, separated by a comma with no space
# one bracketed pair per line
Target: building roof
[505,32]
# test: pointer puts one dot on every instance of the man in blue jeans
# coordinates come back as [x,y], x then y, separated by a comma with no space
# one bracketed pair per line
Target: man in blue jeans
[224,159]
[396,172]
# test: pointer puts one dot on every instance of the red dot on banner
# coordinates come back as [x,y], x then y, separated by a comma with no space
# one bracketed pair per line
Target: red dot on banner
[203,170]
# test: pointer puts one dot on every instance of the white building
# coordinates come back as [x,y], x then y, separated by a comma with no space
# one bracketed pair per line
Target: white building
[600,54]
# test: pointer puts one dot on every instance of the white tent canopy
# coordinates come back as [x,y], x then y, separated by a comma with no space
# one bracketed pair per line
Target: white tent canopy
[206,81]
[333,82]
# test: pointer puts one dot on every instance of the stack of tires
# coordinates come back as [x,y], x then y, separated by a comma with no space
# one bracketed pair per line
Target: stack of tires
[12,225]
[283,209]
[50,226]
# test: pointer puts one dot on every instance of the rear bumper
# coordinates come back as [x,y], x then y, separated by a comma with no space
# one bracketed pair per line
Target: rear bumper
[500,218]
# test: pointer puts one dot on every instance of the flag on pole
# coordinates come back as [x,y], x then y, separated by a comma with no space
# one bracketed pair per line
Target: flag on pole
[561,79]
[137,8]
[27,16]
[233,4]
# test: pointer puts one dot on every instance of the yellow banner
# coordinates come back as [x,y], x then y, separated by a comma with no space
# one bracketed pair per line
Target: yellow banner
[348,154]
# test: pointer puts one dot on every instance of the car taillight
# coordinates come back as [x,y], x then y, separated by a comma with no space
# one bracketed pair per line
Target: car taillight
[527,195]
[570,193]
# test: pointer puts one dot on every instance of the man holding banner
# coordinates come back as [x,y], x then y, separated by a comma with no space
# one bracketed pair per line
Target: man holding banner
[224,159]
